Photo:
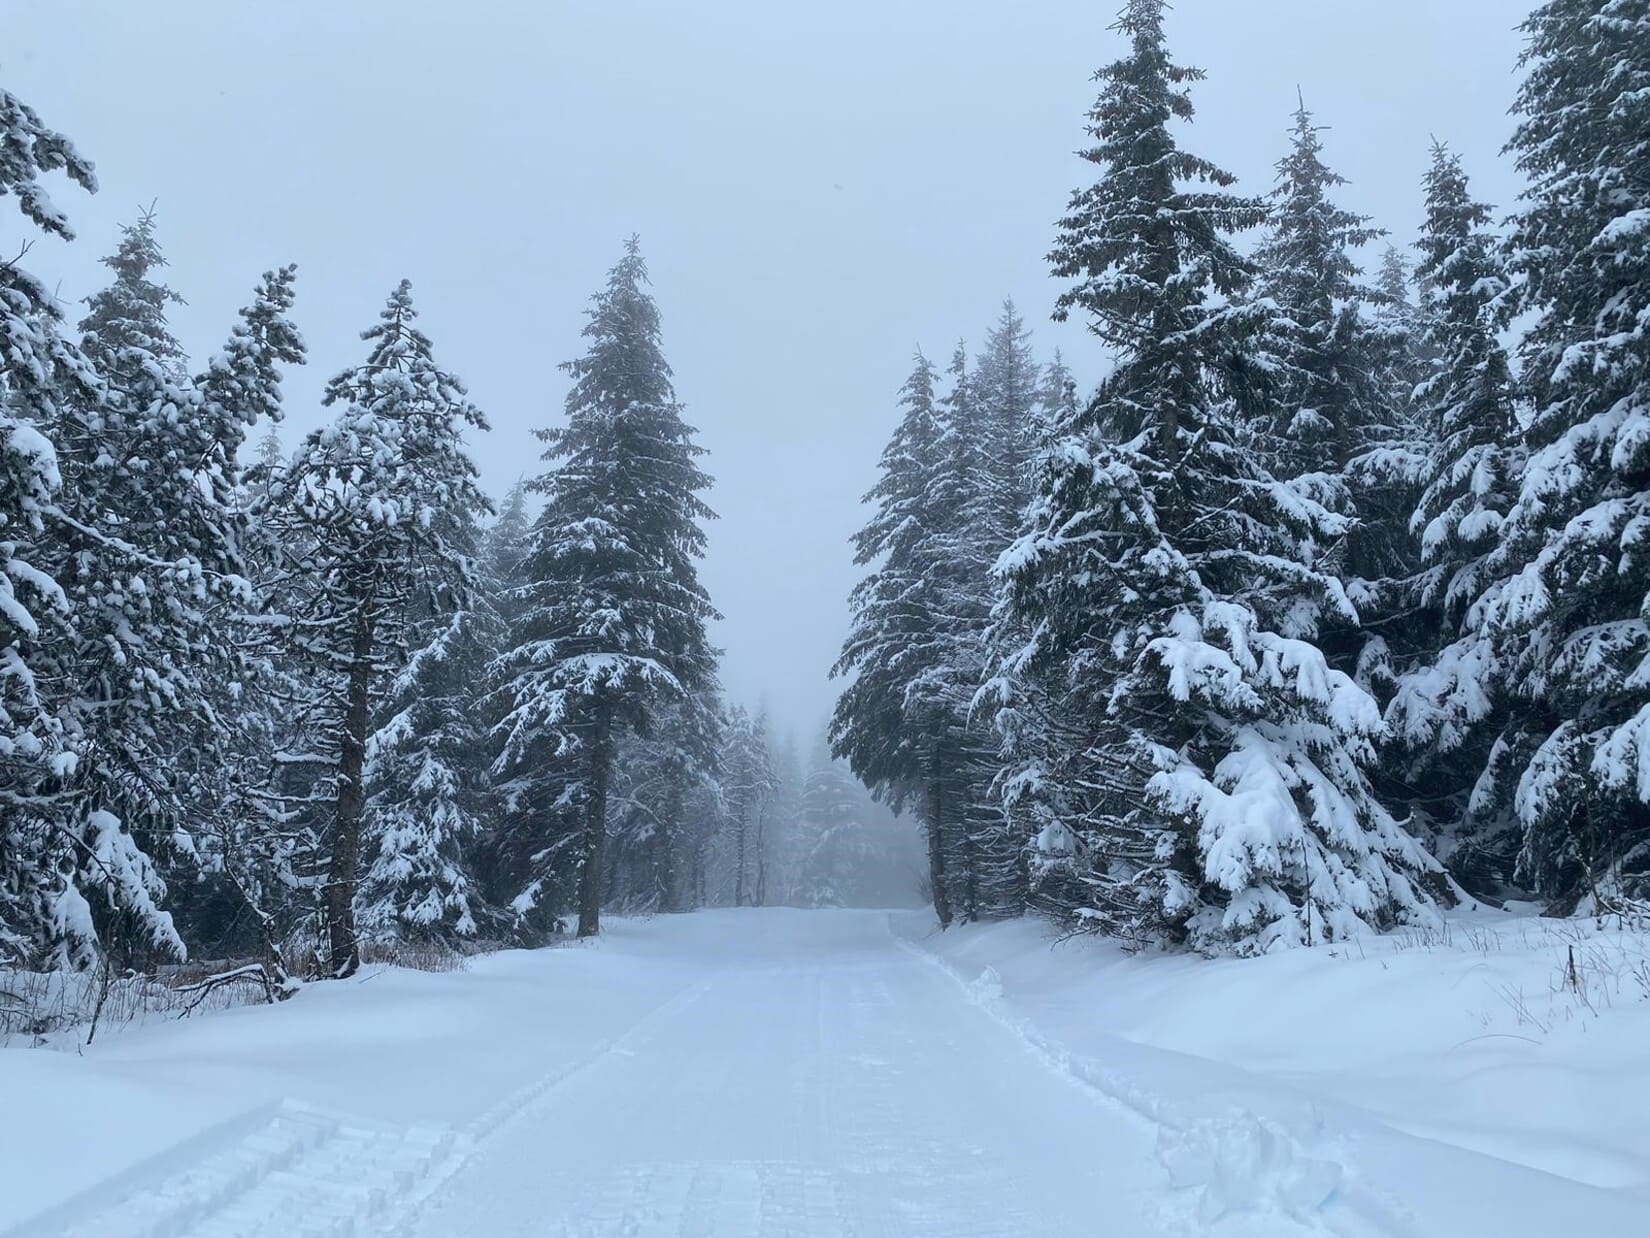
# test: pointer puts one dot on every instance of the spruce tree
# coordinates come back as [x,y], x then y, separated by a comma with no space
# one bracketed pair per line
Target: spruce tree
[41,912]
[377,508]
[1197,768]
[426,776]
[152,560]
[893,723]
[612,622]
[1323,397]
[748,781]
[1571,606]
[1338,431]
[240,854]
[837,845]
[1450,707]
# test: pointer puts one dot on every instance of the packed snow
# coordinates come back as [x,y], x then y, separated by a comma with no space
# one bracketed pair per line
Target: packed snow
[779,1072]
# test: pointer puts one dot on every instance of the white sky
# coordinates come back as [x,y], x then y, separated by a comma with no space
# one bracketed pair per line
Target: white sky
[819,189]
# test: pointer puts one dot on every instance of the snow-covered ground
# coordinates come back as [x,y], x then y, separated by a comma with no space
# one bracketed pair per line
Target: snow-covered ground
[784,1073]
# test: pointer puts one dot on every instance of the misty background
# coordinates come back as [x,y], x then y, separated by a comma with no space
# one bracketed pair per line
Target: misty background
[819,190]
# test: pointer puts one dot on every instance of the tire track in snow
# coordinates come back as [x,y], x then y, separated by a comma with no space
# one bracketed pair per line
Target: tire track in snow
[292,1170]
[287,1169]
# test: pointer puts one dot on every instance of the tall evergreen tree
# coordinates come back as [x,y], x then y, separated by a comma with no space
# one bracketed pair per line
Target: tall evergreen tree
[613,616]
[1324,399]
[748,783]
[1571,606]
[40,372]
[1200,772]
[378,507]
[426,777]
[239,857]
[838,847]
[895,723]
[152,561]
[1338,431]
[1448,709]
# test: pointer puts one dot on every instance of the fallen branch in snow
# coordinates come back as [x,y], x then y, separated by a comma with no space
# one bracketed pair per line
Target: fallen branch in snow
[200,990]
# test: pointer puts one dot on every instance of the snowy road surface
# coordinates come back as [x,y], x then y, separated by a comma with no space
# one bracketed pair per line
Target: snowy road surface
[821,1081]
[750,1074]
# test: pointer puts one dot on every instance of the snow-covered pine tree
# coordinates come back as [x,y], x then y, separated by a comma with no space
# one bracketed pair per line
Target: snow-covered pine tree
[894,723]
[240,858]
[1333,432]
[837,846]
[1397,322]
[40,371]
[1012,401]
[376,508]
[1200,770]
[151,559]
[970,487]
[503,549]
[426,775]
[748,781]
[786,842]
[612,621]
[655,805]
[1449,709]
[524,818]
[1572,606]
[1323,397]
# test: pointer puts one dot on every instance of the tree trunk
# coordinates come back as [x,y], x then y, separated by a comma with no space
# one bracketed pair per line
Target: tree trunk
[664,872]
[595,827]
[760,898]
[739,860]
[344,948]
[936,850]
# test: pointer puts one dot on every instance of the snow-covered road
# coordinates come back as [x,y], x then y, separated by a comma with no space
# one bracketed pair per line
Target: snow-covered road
[790,1074]
[819,1081]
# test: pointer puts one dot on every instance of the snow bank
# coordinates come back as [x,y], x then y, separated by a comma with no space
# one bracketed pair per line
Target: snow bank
[1470,1080]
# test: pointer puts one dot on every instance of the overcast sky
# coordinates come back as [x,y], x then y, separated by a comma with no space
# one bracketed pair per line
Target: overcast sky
[820,188]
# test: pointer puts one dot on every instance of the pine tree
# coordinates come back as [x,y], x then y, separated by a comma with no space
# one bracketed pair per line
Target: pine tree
[40,371]
[613,615]
[1007,388]
[1197,769]
[748,782]
[838,847]
[1448,709]
[377,508]
[152,561]
[504,548]
[427,792]
[1570,608]
[656,802]
[894,723]
[1324,399]
[1336,432]
[1015,400]
[240,857]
